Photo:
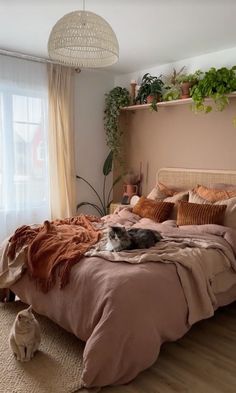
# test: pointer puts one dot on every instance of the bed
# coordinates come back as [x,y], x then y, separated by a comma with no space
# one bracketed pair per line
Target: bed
[125,305]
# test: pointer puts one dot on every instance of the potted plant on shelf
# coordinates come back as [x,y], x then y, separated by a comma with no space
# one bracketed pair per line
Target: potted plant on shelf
[150,91]
[215,84]
[171,93]
[171,89]
[172,79]
[114,100]
[187,81]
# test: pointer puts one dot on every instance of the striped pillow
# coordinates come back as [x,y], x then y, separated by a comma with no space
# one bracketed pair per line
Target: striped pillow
[156,210]
[198,214]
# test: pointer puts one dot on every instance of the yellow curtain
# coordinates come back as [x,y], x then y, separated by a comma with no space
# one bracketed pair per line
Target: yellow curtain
[61,141]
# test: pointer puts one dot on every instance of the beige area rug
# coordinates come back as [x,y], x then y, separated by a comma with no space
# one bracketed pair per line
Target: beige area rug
[56,367]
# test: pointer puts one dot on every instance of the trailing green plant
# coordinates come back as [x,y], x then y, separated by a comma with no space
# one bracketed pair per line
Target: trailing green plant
[117,98]
[104,200]
[215,84]
[150,86]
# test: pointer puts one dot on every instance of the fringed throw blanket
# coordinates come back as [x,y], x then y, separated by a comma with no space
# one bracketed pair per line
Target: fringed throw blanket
[59,243]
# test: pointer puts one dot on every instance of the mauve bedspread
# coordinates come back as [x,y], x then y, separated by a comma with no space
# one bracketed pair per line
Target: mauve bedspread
[125,311]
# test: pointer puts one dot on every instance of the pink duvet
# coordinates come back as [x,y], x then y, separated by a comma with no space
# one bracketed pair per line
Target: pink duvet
[125,311]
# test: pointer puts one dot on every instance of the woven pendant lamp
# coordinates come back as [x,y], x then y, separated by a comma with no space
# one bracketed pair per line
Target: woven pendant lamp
[83,39]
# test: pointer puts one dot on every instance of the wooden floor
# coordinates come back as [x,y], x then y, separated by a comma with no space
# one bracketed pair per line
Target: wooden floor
[203,361]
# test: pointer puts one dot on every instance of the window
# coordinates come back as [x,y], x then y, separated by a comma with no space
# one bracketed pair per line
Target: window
[24,184]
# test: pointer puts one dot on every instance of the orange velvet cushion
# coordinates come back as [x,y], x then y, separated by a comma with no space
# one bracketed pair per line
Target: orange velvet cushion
[214,194]
[156,210]
[198,214]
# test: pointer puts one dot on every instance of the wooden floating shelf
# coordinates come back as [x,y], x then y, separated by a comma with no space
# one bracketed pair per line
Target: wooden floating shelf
[183,101]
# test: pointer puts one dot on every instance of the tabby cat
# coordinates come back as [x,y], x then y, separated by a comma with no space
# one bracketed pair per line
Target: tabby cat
[120,238]
[25,337]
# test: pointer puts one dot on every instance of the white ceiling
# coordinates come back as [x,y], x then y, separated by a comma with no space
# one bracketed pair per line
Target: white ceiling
[150,32]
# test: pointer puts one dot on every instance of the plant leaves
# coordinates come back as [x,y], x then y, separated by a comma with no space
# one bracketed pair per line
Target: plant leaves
[107,166]
[90,186]
[92,205]
[117,98]
[215,84]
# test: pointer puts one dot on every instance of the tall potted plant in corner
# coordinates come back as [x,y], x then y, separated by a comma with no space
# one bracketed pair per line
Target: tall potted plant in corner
[150,90]
[104,200]
[114,101]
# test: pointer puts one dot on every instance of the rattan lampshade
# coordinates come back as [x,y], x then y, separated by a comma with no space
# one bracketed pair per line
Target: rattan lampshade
[83,39]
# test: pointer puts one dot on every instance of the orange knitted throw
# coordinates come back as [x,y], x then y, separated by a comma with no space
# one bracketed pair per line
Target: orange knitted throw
[59,243]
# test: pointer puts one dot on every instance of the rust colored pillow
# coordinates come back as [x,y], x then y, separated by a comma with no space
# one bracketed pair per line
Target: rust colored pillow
[156,210]
[214,194]
[198,214]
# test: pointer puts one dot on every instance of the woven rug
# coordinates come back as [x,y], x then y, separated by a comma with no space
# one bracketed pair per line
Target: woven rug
[55,368]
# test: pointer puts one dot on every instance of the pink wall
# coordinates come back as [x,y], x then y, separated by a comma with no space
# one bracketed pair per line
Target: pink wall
[177,137]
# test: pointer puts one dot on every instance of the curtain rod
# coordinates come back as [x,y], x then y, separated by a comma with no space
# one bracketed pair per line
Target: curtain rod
[37,59]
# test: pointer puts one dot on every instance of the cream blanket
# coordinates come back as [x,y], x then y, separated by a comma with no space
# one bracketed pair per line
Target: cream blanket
[198,252]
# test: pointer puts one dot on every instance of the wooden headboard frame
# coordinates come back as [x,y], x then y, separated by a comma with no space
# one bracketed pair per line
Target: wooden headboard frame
[188,178]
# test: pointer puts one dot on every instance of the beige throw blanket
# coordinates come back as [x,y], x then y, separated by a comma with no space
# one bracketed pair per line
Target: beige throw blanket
[191,250]
[191,256]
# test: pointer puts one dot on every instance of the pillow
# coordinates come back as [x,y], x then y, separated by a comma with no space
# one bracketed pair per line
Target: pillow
[165,194]
[199,214]
[214,194]
[156,210]
[180,196]
[134,199]
[230,214]
[223,186]
[160,191]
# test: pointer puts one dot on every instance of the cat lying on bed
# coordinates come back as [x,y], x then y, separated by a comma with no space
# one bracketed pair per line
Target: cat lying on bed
[24,337]
[121,239]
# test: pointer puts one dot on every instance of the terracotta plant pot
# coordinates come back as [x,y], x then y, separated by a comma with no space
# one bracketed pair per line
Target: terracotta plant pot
[185,89]
[150,99]
[130,189]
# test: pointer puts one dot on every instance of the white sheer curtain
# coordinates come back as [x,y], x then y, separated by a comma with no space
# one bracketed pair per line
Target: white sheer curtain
[24,179]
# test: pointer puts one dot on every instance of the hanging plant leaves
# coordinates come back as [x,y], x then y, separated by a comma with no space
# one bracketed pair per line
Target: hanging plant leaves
[114,100]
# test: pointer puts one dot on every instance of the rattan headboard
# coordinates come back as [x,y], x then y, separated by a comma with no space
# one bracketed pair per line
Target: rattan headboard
[188,178]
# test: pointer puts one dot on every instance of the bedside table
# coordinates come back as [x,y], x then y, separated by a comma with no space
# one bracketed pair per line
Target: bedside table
[116,206]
